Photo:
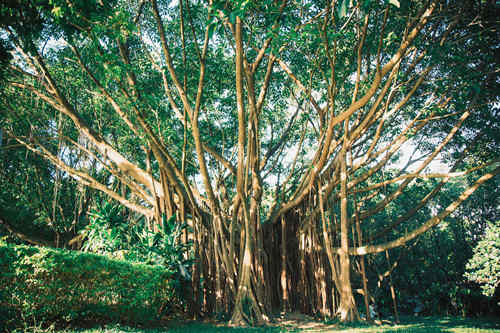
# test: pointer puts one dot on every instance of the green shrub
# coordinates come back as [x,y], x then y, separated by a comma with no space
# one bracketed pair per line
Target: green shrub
[484,267]
[109,233]
[46,285]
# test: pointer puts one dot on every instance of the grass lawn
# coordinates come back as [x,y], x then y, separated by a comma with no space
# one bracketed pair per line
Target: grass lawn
[409,325]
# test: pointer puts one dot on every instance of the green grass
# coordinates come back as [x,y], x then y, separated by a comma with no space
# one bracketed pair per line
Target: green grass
[408,325]
[429,324]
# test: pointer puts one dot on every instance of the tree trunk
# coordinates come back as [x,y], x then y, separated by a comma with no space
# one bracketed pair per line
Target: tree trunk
[247,307]
[362,263]
[285,304]
[393,291]
[347,311]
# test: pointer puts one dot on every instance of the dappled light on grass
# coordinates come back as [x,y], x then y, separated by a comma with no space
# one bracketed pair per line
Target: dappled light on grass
[300,323]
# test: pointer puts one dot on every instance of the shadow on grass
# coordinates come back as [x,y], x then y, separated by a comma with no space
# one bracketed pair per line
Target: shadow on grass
[207,328]
[416,330]
[448,325]
[423,325]
[407,325]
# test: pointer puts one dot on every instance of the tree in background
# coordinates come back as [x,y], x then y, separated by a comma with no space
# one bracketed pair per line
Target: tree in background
[39,203]
[427,275]
[273,128]
[484,267]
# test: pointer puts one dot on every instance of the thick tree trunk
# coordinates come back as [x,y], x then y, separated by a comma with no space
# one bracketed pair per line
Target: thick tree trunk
[347,310]
[285,303]
[247,307]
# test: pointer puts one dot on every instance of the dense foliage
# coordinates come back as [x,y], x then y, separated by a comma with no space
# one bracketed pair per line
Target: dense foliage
[428,277]
[484,266]
[44,285]
[109,233]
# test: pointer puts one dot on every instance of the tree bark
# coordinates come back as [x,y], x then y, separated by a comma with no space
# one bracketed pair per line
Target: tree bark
[347,311]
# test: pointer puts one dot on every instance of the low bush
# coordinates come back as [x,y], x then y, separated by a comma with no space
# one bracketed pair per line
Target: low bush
[52,285]
[111,234]
[484,266]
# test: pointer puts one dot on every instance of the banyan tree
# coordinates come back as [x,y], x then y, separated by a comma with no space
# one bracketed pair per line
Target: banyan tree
[278,130]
